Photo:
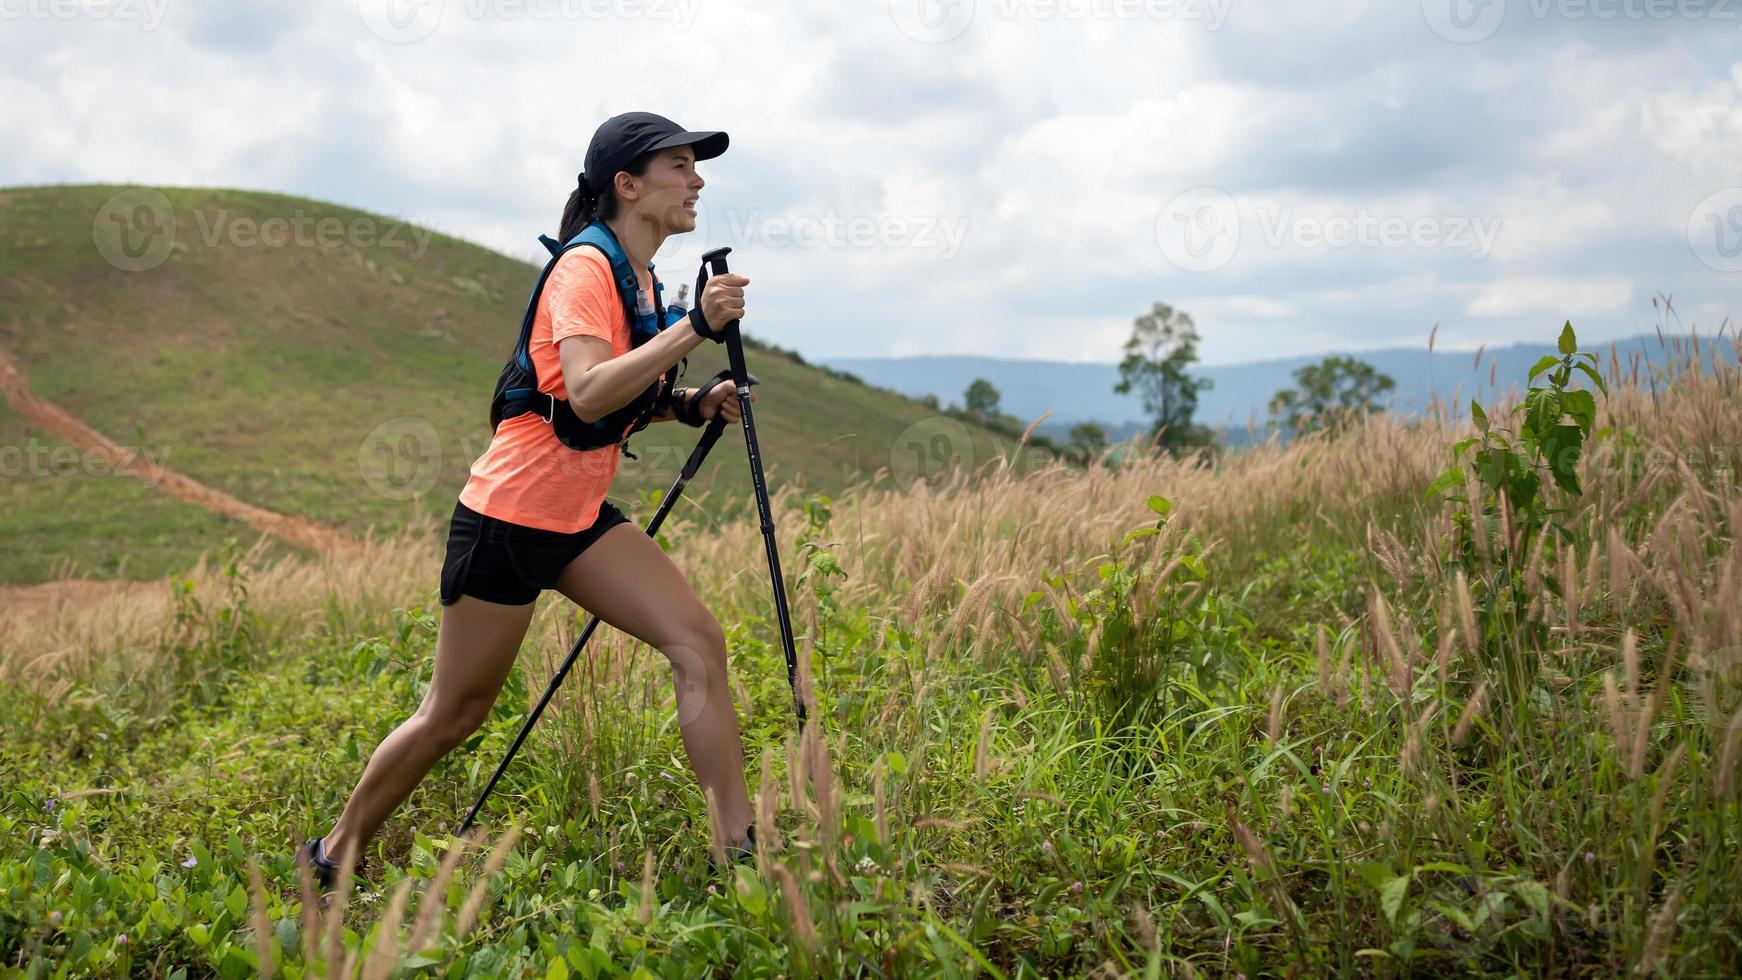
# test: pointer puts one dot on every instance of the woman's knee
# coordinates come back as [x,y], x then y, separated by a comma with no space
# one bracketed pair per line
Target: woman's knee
[451,721]
[699,639]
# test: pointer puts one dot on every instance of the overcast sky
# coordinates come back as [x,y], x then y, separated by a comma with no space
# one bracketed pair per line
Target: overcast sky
[1004,177]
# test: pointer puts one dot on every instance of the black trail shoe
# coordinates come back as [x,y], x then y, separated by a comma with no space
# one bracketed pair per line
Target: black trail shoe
[326,871]
[736,854]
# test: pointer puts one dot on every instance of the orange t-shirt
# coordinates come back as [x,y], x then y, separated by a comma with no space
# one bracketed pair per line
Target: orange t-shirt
[526,475]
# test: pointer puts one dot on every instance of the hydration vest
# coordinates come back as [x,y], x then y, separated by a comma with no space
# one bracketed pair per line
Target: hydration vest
[517,386]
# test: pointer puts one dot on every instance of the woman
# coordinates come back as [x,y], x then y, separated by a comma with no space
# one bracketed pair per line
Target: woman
[533,514]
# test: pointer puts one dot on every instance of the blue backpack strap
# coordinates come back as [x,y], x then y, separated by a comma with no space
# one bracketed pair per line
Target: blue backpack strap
[598,236]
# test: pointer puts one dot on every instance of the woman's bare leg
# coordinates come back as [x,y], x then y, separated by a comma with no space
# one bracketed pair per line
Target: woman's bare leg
[475,648]
[626,580]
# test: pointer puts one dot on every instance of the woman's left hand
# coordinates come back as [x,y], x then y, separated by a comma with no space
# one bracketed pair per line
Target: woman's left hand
[723,401]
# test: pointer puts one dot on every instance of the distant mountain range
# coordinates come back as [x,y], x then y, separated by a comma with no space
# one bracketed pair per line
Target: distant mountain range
[1078,392]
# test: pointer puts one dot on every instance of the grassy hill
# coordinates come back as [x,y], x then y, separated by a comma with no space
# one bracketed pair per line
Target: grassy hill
[1261,715]
[261,364]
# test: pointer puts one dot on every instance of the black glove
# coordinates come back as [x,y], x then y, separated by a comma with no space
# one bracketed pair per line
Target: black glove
[698,322]
[686,403]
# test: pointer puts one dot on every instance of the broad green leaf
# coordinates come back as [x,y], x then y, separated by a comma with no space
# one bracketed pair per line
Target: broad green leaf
[1547,361]
[236,901]
[1455,914]
[1542,408]
[1596,378]
[1478,416]
[1491,466]
[288,935]
[1561,448]
[1522,490]
[1391,895]
[1375,873]
[1161,505]
[1452,477]
[1569,343]
[1582,406]
[1534,894]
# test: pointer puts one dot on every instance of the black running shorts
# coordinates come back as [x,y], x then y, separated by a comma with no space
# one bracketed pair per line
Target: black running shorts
[500,561]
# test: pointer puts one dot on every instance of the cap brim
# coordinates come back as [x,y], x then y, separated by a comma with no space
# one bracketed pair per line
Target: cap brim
[708,145]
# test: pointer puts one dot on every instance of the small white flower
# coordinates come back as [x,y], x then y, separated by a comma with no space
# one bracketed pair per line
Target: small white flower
[866,865]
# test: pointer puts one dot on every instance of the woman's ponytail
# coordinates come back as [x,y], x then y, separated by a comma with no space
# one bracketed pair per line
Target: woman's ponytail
[587,206]
[580,211]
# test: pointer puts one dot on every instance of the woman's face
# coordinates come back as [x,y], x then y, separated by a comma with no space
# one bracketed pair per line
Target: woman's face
[666,194]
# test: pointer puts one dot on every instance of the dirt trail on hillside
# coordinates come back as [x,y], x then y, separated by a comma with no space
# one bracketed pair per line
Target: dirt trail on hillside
[298,531]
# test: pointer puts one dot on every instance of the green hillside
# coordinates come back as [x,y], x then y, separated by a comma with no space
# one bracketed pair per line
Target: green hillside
[262,369]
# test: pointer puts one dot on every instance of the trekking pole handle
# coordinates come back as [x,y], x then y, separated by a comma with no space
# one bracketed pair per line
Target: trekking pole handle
[715,260]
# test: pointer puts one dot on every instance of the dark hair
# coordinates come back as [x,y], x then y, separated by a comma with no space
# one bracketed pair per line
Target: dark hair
[585,206]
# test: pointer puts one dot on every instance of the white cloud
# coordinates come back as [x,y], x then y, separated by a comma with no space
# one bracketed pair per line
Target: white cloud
[1051,142]
[1260,306]
[1510,297]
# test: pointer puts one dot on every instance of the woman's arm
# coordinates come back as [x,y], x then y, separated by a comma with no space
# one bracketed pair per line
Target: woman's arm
[599,384]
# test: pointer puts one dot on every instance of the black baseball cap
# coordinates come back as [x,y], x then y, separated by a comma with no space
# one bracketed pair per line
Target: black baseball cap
[620,139]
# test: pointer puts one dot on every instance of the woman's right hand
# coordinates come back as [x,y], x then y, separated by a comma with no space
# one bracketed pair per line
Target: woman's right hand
[723,300]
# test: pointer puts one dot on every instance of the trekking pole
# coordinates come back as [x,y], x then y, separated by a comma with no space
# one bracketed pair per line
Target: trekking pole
[716,259]
[710,436]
